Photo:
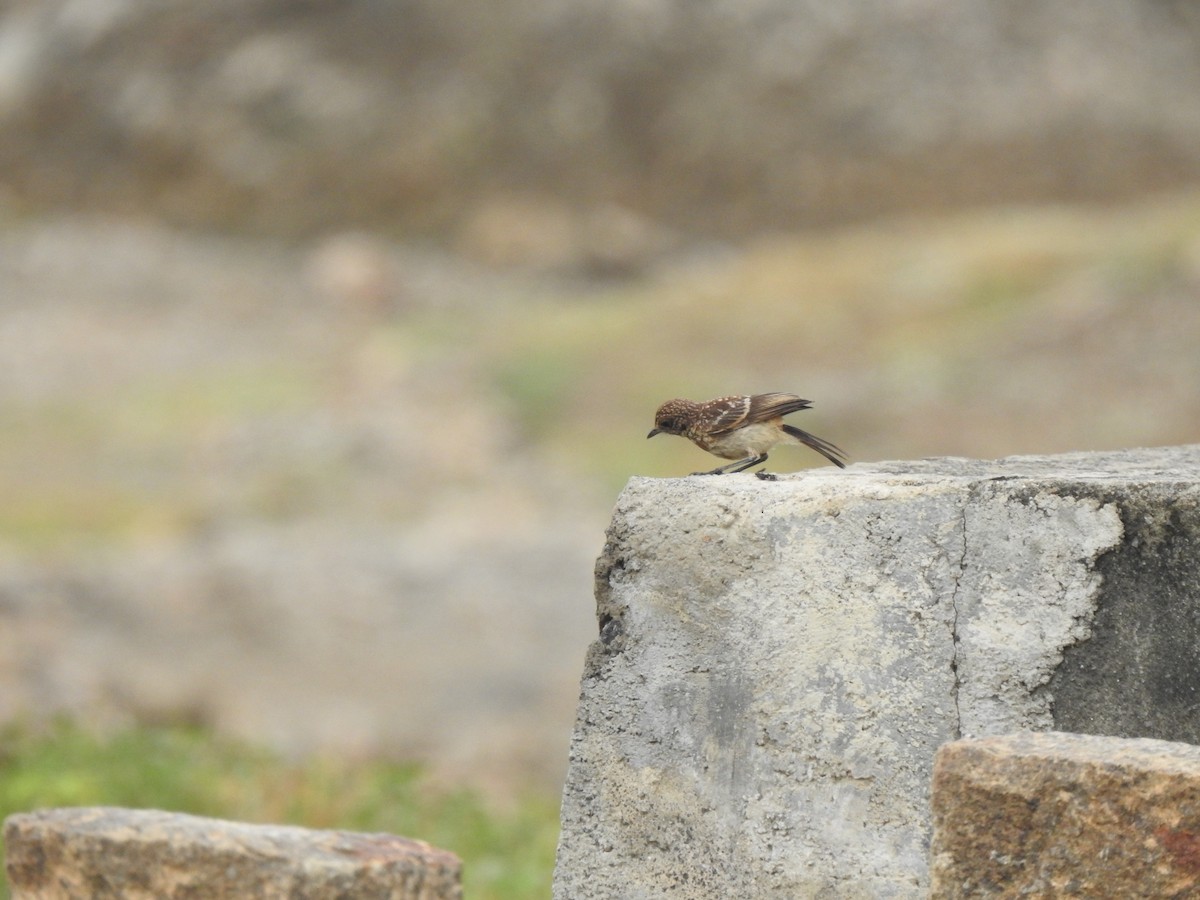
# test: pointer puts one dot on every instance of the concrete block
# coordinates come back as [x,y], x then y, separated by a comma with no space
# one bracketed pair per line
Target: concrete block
[1066,815]
[102,852]
[778,662]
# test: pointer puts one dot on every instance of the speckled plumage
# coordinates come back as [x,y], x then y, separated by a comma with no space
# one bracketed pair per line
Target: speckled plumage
[742,428]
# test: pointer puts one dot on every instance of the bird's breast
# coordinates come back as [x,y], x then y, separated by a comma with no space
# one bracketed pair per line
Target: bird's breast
[746,441]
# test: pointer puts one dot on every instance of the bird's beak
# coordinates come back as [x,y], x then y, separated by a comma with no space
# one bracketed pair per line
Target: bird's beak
[653,432]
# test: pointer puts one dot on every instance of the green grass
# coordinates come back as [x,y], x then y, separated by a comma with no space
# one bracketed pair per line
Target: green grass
[506,853]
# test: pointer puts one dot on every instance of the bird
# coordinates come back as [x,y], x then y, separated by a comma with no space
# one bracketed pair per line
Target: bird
[741,428]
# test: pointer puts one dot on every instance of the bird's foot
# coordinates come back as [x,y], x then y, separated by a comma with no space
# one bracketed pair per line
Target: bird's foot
[766,476]
[713,472]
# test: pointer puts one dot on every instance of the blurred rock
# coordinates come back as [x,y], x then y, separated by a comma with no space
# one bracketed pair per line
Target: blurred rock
[73,854]
[606,241]
[520,231]
[355,271]
[719,118]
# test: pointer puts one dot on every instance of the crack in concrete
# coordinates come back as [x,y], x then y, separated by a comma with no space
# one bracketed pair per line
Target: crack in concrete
[954,636]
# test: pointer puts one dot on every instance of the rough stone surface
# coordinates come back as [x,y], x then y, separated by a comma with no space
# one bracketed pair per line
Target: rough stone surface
[1055,815]
[778,661]
[100,852]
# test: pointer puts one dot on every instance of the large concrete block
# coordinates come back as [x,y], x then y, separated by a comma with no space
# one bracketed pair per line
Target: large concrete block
[1066,815]
[778,661]
[94,853]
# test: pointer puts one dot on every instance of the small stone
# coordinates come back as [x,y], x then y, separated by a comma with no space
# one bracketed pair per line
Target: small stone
[1054,814]
[107,852]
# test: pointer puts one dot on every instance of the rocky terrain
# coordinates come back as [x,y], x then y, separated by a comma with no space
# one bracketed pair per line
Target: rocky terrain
[720,117]
[330,331]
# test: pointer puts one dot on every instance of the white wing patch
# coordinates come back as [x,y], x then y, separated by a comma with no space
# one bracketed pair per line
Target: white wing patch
[728,413]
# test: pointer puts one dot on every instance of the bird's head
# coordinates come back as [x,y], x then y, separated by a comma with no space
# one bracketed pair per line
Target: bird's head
[672,417]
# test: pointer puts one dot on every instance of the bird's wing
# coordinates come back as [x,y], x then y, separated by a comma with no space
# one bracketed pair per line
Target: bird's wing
[764,407]
[728,413]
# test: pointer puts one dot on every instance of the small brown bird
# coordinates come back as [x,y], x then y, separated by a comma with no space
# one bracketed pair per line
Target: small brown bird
[740,428]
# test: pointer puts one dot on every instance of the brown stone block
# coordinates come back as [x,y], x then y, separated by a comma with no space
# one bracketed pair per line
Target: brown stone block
[1066,815]
[103,852]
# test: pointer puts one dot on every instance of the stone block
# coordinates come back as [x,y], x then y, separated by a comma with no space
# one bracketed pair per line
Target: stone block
[94,853]
[778,662]
[1066,815]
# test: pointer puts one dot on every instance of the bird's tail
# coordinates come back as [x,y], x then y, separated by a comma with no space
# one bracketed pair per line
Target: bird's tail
[831,452]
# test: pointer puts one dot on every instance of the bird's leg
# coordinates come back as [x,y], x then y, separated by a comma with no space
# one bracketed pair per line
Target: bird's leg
[738,465]
[743,465]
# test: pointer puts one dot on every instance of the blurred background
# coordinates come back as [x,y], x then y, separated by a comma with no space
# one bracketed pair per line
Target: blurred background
[330,329]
